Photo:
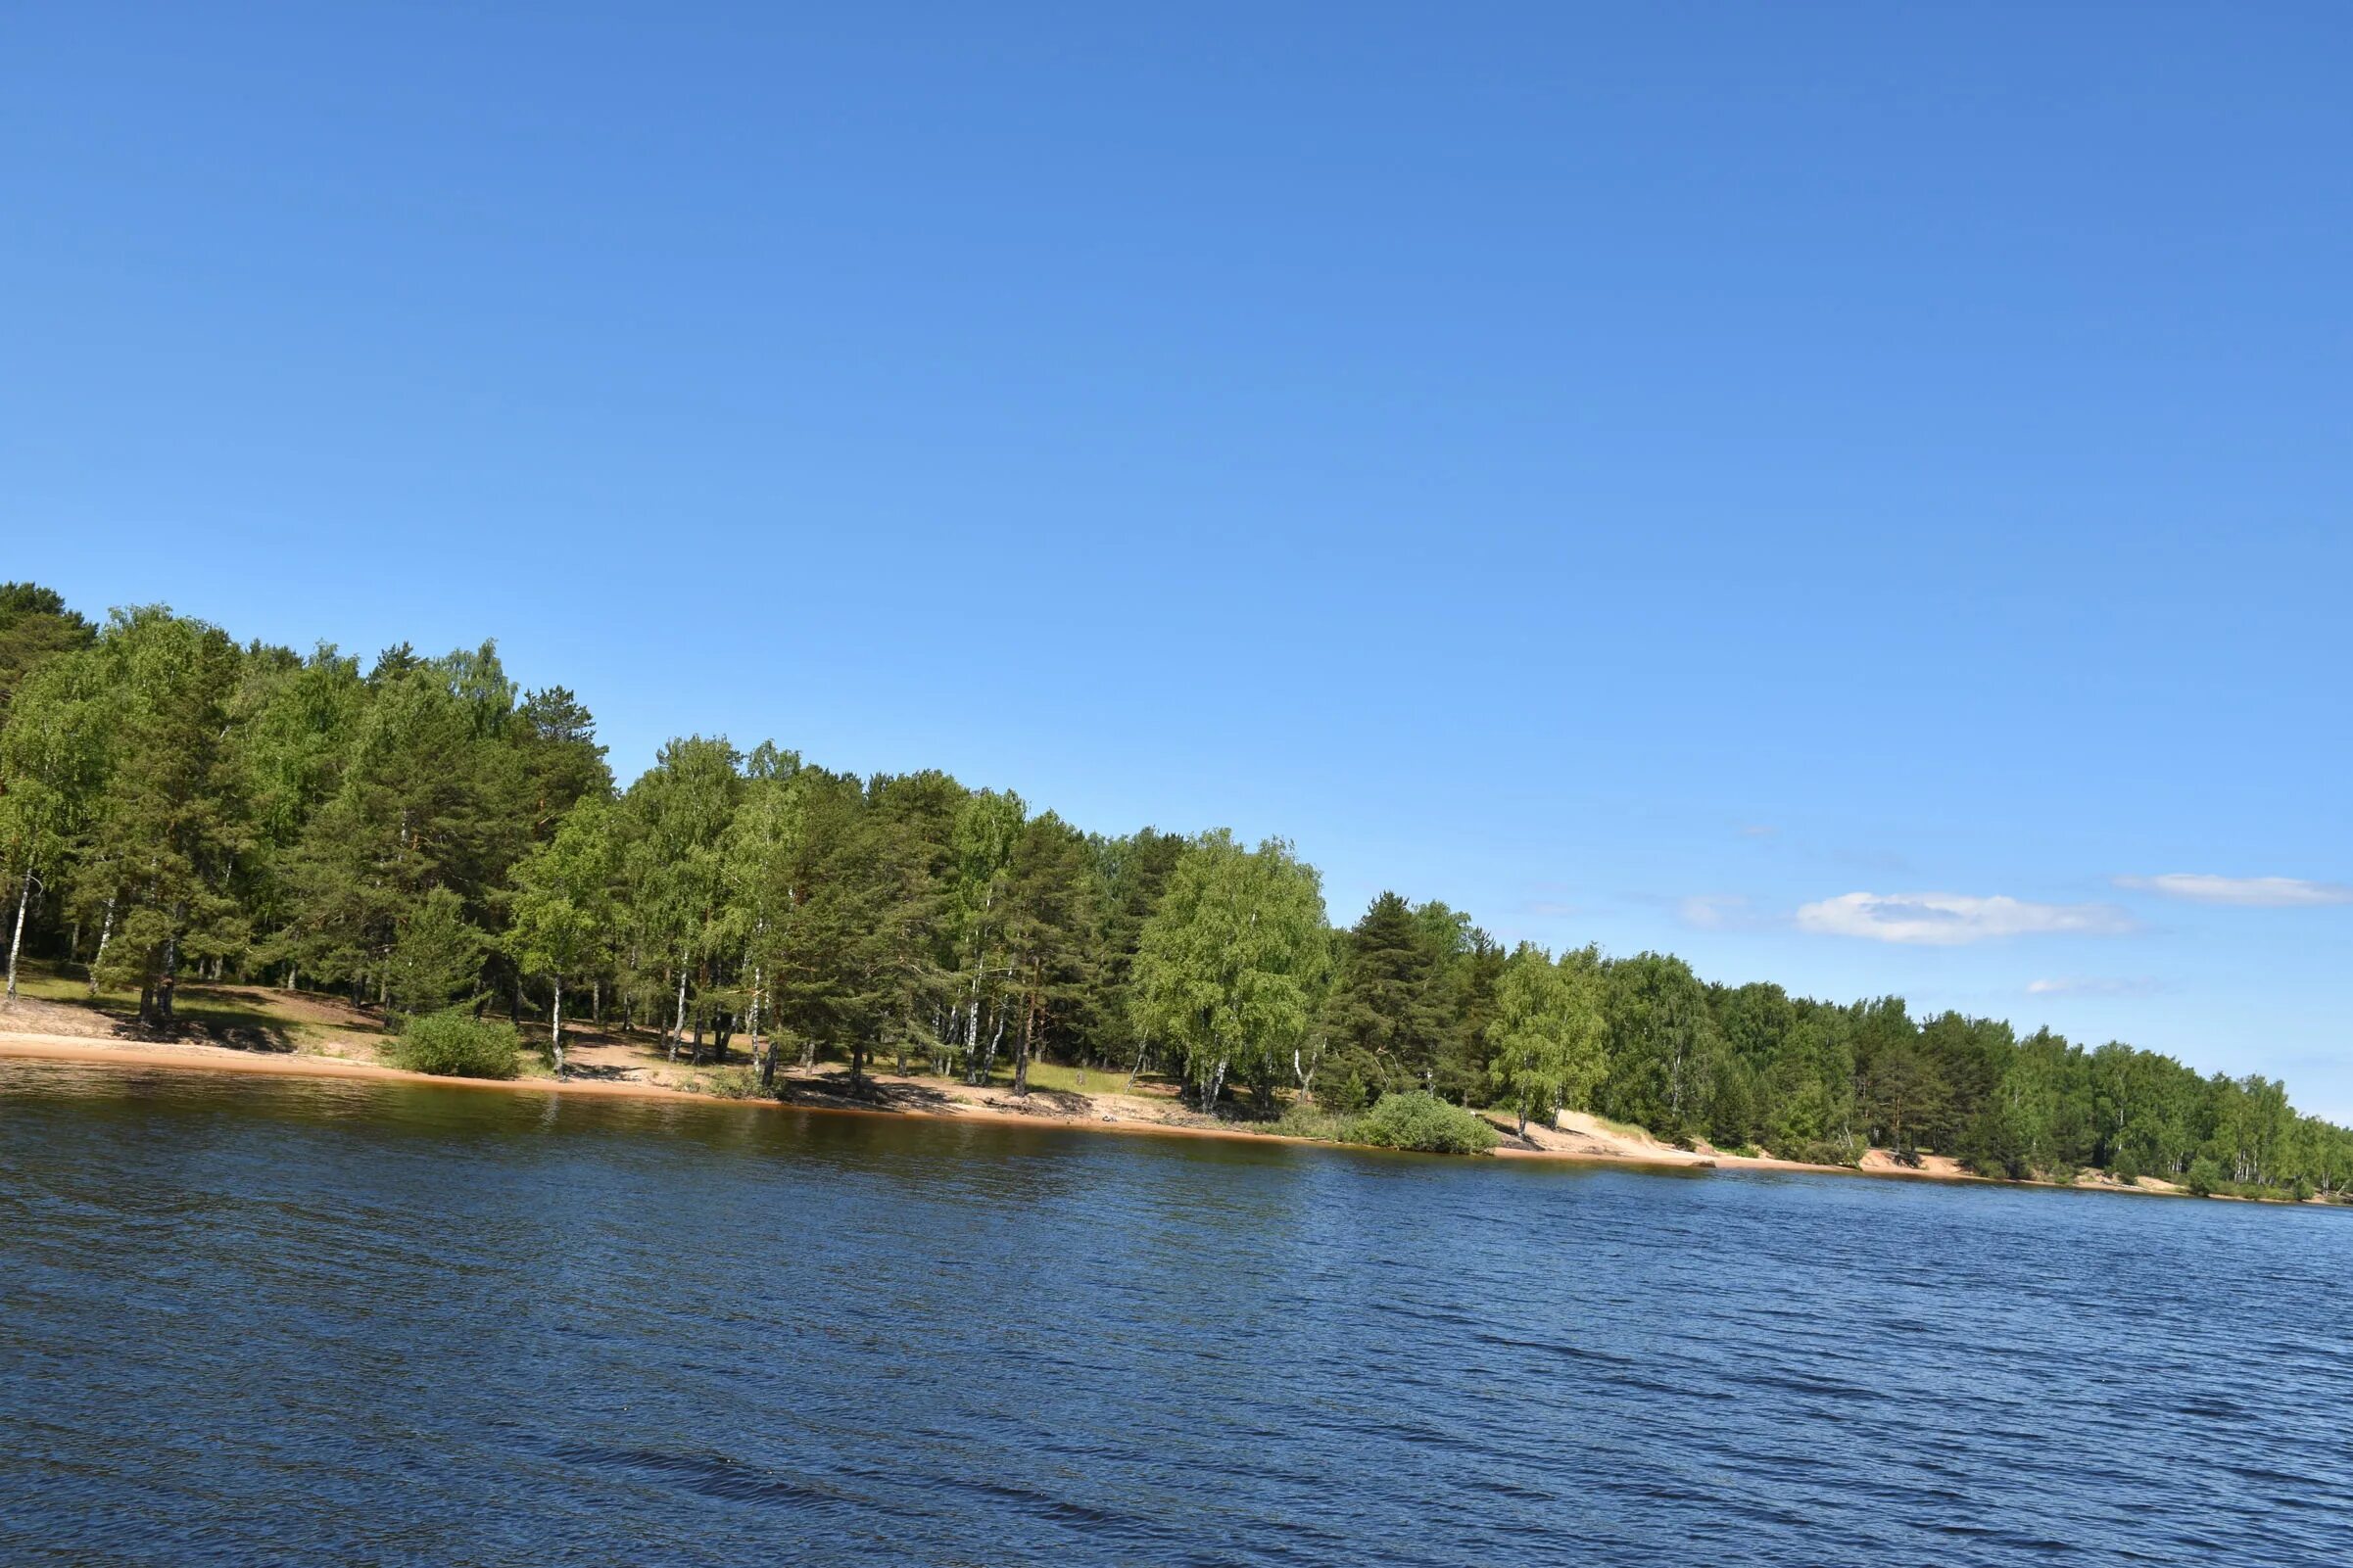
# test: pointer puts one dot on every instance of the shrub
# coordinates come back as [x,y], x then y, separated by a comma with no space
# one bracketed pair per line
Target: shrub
[1423,1122]
[2205,1177]
[1826,1152]
[731,1084]
[1312,1121]
[2127,1170]
[455,1044]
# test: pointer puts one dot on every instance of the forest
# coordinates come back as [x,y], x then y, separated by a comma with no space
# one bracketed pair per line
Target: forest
[420,835]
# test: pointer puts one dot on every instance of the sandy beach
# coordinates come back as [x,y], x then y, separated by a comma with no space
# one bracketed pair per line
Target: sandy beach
[611,1070]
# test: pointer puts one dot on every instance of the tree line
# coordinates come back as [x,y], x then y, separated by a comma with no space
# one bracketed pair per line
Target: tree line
[423,834]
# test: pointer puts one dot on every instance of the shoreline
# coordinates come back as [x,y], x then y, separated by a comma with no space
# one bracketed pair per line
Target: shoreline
[198,1056]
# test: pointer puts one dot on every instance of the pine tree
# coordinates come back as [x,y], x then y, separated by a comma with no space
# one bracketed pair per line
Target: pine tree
[1386,1022]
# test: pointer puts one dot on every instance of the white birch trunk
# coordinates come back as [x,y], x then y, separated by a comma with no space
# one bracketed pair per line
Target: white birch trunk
[17,939]
[106,928]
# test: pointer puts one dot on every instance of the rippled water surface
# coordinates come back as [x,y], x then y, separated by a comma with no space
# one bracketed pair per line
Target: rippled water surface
[257,1319]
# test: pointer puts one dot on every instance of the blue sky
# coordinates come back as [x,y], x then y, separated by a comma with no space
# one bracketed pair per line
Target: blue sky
[1856,495]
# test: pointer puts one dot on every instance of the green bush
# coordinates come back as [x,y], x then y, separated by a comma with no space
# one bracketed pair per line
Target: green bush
[1312,1121]
[731,1084]
[2127,1170]
[2205,1177]
[1423,1122]
[455,1044]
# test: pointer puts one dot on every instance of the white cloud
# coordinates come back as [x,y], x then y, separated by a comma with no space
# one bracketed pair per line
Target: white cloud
[2250,892]
[1950,920]
[2094,985]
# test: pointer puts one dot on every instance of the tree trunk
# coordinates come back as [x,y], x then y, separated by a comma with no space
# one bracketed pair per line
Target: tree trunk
[171,978]
[17,939]
[971,1034]
[752,1021]
[1141,1048]
[1020,1059]
[988,1065]
[555,1027]
[106,928]
[678,1029]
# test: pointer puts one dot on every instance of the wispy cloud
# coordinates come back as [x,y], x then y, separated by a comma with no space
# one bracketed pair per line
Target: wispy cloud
[1550,908]
[1715,911]
[2247,892]
[2095,985]
[1953,920]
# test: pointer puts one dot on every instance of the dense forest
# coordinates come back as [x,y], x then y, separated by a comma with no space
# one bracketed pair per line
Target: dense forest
[421,834]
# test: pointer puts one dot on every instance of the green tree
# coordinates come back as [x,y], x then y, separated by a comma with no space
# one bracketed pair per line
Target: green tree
[1050,915]
[758,858]
[562,906]
[168,813]
[1548,1034]
[849,953]
[1231,967]
[52,756]
[988,825]
[436,959]
[1662,1045]
[35,626]
[1385,1021]
[676,870]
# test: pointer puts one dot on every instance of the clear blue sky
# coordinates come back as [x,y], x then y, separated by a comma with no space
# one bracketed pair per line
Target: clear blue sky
[1647,474]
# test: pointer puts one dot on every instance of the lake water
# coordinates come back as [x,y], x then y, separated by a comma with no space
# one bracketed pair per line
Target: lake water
[265,1320]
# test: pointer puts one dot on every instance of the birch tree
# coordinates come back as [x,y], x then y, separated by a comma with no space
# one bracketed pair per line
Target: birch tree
[760,859]
[1548,1034]
[1231,964]
[988,825]
[563,907]
[51,756]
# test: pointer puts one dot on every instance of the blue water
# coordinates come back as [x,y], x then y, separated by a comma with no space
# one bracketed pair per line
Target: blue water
[275,1320]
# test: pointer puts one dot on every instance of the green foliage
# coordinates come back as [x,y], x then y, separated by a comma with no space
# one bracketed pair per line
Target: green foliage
[2205,1176]
[1825,1152]
[455,1044]
[1422,1123]
[1318,1122]
[1231,967]
[1385,1021]
[1664,1046]
[1548,1034]
[730,1083]
[436,960]
[34,626]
